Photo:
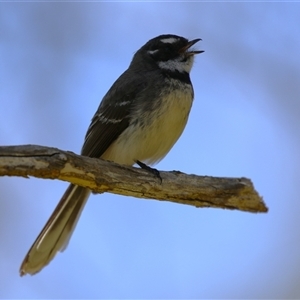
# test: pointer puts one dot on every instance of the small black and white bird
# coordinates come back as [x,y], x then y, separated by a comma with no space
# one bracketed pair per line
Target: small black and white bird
[138,121]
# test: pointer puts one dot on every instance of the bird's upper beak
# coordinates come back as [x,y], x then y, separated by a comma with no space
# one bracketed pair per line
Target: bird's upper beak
[186,48]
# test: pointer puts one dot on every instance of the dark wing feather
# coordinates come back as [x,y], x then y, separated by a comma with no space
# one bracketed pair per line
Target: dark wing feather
[116,105]
[101,135]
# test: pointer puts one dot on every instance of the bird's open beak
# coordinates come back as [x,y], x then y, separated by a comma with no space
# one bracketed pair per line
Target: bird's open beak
[186,48]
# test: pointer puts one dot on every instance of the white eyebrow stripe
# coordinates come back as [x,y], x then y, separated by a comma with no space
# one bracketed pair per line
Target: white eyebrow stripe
[170,40]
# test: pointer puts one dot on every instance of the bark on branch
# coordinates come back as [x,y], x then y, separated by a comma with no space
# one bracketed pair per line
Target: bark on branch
[103,176]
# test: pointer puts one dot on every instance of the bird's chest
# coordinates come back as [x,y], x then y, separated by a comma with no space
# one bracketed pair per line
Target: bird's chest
[163,125]
[172,110]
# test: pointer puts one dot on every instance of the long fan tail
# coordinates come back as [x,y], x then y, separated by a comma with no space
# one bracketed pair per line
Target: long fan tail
[58,230]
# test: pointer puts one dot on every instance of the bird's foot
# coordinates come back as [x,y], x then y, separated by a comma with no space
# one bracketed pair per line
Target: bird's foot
[149,169]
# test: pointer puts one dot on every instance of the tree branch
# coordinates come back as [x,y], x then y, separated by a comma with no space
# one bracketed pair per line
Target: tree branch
[103,176]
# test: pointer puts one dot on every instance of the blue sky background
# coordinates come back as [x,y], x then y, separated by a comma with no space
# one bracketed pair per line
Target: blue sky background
[57,60]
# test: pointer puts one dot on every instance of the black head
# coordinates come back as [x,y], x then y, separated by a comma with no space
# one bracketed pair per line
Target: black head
[169,52]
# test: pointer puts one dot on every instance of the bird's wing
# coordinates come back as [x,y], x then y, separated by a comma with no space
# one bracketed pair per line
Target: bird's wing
[113,114]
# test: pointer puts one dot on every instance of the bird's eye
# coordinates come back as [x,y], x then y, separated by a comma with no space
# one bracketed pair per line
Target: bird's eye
[162,52]
[168,48]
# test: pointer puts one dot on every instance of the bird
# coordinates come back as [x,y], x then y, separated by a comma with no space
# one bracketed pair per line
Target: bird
[138,121]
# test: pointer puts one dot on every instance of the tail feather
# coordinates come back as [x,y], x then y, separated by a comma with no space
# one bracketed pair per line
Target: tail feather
[58,230]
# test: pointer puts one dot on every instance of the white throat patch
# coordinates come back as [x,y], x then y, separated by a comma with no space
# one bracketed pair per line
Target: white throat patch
[177,64]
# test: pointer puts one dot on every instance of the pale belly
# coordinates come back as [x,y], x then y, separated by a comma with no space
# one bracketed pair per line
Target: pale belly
[152,142]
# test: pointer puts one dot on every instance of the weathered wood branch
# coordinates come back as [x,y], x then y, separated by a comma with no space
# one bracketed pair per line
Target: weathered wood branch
[103,176]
